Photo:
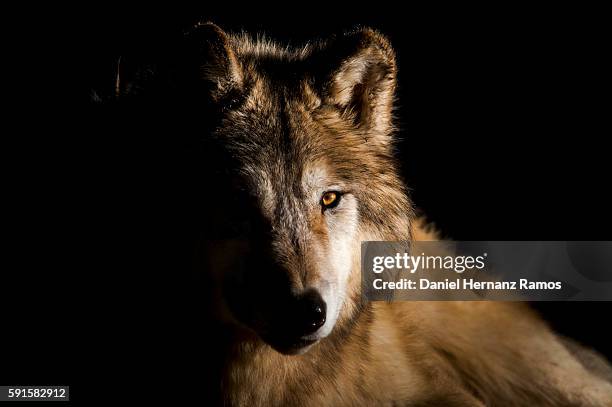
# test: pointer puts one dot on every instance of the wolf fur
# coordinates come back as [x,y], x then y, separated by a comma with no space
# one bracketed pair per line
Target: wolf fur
[290,124]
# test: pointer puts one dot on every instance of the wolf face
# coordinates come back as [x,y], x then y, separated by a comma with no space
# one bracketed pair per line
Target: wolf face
[301,172]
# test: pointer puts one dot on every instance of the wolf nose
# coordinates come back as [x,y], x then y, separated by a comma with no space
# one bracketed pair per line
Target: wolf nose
[311,313]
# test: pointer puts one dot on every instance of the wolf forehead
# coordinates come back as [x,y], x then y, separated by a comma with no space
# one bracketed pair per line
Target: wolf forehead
[279,133]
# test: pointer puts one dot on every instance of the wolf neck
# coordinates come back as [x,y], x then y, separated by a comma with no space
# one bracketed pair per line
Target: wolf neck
[252,363]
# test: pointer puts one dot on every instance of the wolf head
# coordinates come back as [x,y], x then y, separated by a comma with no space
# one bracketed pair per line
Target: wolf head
[298,170]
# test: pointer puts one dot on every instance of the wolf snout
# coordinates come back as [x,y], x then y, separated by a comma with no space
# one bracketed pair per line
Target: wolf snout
[311,312]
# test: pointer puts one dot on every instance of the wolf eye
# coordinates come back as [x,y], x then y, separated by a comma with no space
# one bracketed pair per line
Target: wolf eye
[330,199]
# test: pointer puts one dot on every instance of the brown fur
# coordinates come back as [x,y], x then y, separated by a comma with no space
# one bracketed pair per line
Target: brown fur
[439,353]
[288,119]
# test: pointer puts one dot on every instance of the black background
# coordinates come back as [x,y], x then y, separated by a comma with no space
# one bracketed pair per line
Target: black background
[503,117]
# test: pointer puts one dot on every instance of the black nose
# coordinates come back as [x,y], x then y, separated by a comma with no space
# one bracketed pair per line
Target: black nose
[311,311]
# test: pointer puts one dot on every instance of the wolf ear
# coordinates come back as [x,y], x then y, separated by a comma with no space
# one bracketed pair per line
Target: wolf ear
[362,80]
[201,60]
[218,65]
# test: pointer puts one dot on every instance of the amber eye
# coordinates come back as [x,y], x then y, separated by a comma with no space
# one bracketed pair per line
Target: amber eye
[330,199]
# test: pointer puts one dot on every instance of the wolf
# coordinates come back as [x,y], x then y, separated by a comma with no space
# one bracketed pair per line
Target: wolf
[298,165]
